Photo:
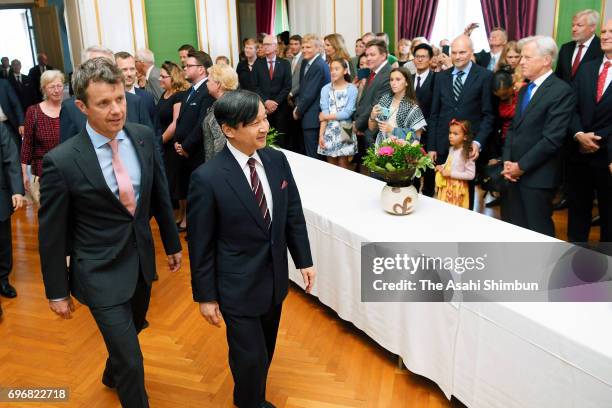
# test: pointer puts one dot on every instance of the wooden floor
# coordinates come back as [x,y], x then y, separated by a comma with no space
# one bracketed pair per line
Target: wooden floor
[320,360]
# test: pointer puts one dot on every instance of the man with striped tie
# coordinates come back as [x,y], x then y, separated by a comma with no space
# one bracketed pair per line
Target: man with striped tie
[243,213]
[532,150]
[462,92]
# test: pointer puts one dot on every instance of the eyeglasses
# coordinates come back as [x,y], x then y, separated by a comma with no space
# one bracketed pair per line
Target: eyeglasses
[419,57]
[164,76]
[54,87]
[193,65]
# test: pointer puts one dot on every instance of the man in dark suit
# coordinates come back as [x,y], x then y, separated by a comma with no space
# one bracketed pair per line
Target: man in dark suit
[11,199]
[36,72]
[584,47]
[462,92]
[295,126]
[244,212]
[246,65]
[188,133]
[149,73]
[531,152]
[424,81]
[498,38]
[98,192]
[314,75]
[23,86]
[72,119]
[590,158]
[126,63]
[11,112]
[5,68]
[272,80]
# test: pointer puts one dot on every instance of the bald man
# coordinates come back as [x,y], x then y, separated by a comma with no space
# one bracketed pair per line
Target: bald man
[462,92]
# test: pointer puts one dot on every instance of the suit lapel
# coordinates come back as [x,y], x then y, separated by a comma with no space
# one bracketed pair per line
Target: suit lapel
[238,182]
[539,93]
[272,174]
[88,162]
[467,85]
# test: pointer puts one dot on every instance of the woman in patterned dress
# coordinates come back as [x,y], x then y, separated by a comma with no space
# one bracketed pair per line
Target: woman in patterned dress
[338,100]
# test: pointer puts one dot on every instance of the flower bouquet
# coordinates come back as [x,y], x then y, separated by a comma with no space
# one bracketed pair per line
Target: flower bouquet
[398,162]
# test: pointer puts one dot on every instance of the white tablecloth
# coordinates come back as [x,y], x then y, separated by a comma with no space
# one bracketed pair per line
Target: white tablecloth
[486,354]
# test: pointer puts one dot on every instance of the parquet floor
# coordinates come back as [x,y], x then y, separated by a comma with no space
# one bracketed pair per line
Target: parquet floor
[320,362]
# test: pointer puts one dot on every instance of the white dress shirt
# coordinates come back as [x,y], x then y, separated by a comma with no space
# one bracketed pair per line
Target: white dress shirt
[242,160]
[584,50]
[538,81]
[423,77]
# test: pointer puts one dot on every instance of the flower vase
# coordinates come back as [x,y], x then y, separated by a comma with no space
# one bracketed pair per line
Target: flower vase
[399,200]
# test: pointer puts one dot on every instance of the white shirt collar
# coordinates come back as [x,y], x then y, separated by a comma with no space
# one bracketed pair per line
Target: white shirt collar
[539,80]
[312,59]
[273,59]
[149,72]
[197,85]
[587,42]
[132,91]
[377,70]
[242,158]
[423,75]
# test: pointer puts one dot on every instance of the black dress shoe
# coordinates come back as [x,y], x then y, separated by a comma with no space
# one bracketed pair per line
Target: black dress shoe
[596,221]
[561,204]
[493,203]
[7,290]
[267,404]
[108,381]
[145,324]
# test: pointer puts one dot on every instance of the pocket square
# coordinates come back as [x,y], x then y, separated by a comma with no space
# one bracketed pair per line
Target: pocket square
[284,184]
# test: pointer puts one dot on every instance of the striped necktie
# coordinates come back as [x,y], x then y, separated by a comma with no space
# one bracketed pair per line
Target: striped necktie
[458,85]
[260,197]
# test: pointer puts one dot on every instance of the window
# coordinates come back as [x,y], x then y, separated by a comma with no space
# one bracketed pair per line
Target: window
[16,37]
[452,16]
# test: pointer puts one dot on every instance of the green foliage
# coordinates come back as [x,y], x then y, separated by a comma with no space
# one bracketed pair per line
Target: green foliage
[272,137]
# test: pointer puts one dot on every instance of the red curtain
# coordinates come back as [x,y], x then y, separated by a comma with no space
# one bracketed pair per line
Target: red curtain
[265,12]
[416,17]
[518,17]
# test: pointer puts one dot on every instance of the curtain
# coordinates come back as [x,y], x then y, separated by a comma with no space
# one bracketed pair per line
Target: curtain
[265,11]
[416,17]
[518,17]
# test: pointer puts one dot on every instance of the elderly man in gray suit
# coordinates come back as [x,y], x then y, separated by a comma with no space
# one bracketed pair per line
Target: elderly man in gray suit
[145,65]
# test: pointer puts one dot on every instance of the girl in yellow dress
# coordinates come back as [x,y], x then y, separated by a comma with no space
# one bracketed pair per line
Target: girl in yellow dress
[452,177]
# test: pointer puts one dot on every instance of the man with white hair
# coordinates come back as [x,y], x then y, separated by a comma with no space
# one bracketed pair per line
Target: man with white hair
[145,65]
[498,38]
[584,47]
[72,120]
[532,150]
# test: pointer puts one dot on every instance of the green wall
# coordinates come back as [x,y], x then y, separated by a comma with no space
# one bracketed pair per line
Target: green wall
[170,23]
[388,21]
[566,10]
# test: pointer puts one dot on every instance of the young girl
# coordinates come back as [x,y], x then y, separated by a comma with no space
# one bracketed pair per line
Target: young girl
[452,177]
[338,100]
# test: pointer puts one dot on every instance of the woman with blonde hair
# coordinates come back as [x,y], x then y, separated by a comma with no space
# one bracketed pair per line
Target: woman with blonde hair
[509,60]
[404,51]
[221,79]
[335,48]
[172,81]
[42,129]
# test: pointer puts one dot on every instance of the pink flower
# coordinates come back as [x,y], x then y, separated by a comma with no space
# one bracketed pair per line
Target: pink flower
[386,151]
[401,142]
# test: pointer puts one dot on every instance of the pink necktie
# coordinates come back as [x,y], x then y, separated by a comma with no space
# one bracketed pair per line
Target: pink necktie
[126,189]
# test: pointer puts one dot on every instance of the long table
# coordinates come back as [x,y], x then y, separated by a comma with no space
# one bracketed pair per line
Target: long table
[486,354]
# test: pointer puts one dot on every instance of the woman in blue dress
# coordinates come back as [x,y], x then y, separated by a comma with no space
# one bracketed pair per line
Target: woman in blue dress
[338,99]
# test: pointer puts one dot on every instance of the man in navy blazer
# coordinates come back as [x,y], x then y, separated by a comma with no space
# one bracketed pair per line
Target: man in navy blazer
[72,120]
[12,112]
[244,212]
[584,47]
[532,149]
[314,75]
[127,64]
[472,103]
[590,152]
[273,86]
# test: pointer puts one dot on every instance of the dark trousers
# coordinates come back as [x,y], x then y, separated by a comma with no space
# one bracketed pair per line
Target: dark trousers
[583,182]
[311,142]
[530,208]
[279,120]
[429,182]
[6,250]
[251,341]
[295,136]
[120,325]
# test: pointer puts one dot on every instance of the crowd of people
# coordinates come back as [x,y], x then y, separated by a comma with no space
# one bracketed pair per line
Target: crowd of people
[502,119]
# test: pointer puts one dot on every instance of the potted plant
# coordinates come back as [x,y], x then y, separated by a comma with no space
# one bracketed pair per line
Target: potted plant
[398,162]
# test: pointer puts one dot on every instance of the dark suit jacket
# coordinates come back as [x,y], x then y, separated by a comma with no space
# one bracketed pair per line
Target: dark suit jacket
[474,105]
[189,124]
[483,58]
[277,88]
[564,61]
[370,97]
[11,106]
[235,259]
[425,98]
[591,116]
[148,101]
[4,74]
[535,138]
[309,96]
[245,76]
[35,75]
[26,90]
[72,120]
[11,181]
[80,216]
